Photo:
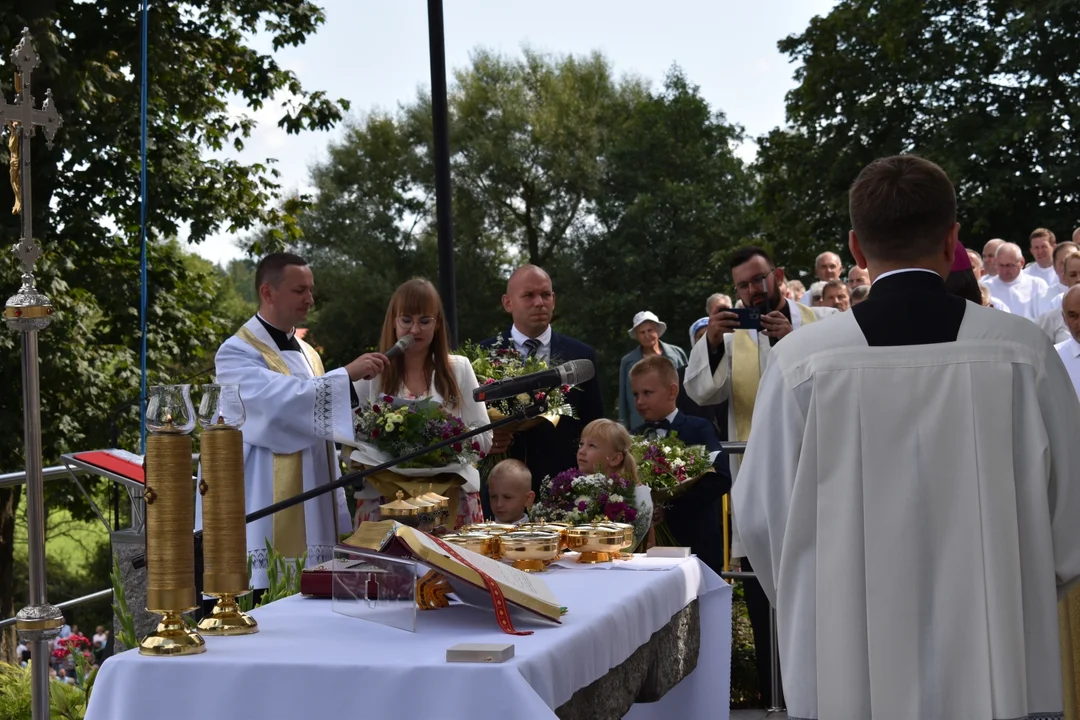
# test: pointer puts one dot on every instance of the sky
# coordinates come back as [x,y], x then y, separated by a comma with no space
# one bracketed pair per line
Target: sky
[374,53]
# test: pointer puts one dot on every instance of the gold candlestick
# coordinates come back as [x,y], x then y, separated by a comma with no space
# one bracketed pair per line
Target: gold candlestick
[170,514]
[225,576]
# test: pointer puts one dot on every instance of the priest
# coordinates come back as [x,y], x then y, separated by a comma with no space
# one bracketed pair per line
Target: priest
[294,410]
[909,493]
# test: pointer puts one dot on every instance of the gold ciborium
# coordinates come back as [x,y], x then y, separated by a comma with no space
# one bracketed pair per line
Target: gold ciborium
[628,536]
[595,543]
[404,512]
[542,526]
[225,575]
[442,505]
[170,515]
[476,541]
[529,551]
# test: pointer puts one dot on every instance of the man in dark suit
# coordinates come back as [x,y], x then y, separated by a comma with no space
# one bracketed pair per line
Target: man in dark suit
[546,449]
[692,516]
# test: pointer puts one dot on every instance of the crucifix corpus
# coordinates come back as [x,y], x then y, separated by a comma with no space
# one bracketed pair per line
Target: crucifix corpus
[27,312]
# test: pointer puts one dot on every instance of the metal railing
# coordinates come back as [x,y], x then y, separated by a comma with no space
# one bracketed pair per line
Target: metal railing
[100,594]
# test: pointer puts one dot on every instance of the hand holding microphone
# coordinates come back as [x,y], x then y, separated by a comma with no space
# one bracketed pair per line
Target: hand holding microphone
[369,365]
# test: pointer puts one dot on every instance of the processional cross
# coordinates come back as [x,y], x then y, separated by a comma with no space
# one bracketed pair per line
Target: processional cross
[25,120]
[27,312]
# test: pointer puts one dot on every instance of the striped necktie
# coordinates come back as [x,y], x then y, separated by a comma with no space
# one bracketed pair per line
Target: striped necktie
[532,346]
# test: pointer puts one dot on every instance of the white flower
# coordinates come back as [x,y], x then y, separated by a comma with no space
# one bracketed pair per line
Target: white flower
[389,427]
[615,498]
[524,398]
[582,499]
[677,463]
[667,449]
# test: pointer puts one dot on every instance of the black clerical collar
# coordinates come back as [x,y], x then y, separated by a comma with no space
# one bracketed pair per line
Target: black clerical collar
[907,280]
[283,340]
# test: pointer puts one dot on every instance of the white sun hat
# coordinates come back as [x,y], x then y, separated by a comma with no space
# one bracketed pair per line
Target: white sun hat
[647,316]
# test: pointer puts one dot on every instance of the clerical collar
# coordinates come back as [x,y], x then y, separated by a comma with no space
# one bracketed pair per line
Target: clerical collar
[884,275]
[283,340]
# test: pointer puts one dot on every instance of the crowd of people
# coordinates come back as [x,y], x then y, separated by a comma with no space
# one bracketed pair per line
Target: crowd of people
[67,647]
[855,398]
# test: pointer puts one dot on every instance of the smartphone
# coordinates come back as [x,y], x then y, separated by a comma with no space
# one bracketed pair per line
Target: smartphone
[749,318]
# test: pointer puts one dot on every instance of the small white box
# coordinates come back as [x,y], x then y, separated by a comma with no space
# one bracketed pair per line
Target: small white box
[668,552]
[480,652]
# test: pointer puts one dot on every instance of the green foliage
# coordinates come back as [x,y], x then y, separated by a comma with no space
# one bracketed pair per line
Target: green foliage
[126,619]
[66,702]
[987,89]
[65,581]
[284,576]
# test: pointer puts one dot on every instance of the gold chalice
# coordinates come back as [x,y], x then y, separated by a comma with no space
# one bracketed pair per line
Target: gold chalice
[529,551]
[476,541]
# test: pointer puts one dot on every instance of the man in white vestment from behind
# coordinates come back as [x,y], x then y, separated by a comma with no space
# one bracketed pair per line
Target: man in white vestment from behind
[911,486]
[294,410]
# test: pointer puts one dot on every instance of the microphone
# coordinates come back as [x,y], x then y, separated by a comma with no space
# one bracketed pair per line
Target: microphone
[574,372]
[399,347]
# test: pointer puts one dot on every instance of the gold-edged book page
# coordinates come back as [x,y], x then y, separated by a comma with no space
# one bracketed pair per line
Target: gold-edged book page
[372,535]
[519,588]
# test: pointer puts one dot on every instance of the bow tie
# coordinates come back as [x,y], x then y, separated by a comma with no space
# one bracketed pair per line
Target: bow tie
[658,425]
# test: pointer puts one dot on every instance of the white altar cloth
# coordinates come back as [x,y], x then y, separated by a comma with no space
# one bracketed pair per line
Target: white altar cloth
[308,662]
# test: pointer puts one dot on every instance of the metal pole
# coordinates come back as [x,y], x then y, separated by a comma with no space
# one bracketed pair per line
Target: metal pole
[441,126]
[27,312]
[774,665]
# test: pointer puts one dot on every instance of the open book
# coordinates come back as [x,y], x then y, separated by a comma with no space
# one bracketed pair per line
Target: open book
[520,589]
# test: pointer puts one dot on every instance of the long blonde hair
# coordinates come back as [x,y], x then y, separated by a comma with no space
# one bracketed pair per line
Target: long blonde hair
[616,437]
[419,297]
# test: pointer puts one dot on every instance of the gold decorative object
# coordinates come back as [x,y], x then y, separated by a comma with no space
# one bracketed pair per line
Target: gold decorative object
[225,576]
[595,543]
[530,551]
[628,536]
[399,509]
[476,541]
[170,514]
[542,526]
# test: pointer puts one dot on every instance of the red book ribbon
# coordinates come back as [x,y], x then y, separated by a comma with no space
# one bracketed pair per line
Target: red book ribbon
[502,612]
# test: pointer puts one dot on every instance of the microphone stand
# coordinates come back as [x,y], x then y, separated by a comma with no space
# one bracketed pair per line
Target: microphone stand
[525,413]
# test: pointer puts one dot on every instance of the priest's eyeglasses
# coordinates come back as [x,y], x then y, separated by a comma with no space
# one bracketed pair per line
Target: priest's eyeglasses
[754,282]
[406,321]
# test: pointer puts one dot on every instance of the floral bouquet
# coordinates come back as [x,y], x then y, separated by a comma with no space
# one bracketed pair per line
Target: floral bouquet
[500,362]
[71,645]
[576,497]
[398,430]
[668,465]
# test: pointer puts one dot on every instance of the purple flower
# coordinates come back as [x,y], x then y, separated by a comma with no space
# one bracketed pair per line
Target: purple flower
[582,505]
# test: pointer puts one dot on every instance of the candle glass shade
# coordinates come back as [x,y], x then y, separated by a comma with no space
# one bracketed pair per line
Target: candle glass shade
[221,406]
[221,486]
[169,410]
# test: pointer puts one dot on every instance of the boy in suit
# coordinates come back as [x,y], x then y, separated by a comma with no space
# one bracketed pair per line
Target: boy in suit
[693,515]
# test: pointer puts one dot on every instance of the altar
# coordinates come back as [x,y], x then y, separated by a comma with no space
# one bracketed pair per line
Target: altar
[308,662]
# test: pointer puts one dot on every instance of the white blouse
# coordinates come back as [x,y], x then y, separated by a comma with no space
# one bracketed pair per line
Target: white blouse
[474,414]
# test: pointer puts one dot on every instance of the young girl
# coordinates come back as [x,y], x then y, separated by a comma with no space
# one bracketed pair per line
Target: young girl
[605,447]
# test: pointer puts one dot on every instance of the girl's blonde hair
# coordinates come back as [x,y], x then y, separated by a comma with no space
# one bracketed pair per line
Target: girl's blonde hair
[615,436]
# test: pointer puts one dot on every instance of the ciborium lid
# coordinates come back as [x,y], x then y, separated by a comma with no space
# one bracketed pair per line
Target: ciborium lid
[398,508]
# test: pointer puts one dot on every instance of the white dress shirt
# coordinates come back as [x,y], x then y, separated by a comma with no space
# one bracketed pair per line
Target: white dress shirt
[543,352]
[1047,274]
[661,432]
[1070,355]
[1021,295]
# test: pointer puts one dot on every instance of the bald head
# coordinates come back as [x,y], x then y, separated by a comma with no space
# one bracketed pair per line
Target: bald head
[1070,310]
[989,249]
[530,300]
[827,266]
[1009,259]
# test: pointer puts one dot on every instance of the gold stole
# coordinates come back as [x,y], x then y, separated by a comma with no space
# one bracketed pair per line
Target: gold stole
[1069,629]
[289,535]
[746,375]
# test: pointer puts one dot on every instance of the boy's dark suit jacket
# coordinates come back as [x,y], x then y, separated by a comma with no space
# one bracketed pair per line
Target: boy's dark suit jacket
[549,450]
[694,516]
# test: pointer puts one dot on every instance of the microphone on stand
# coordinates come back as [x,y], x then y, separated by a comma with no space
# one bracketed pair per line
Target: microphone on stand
[574,372]
[399,347]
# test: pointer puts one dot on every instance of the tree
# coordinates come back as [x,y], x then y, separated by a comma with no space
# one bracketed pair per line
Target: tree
[86,211]
[986,88]
[673,199]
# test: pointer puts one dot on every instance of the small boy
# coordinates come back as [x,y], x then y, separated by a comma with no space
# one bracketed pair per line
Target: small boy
[510,489]
[692,516]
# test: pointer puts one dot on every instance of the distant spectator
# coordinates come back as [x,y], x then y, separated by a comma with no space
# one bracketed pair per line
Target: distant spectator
[859,294]
[717,300]
[835,294]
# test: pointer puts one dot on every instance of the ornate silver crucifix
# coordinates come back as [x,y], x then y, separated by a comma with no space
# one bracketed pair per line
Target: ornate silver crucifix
[27,312]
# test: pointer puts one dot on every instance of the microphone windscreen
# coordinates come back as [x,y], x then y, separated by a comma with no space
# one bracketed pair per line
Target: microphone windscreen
[401,346]
[575,372]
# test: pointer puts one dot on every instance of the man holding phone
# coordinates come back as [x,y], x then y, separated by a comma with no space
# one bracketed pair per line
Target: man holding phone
[728,367]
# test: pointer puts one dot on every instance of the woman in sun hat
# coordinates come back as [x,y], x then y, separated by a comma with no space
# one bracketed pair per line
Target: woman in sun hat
[646,330]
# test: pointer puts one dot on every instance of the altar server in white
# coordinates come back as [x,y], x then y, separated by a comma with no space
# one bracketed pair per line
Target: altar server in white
[1019,290]
[909,495]
[294,409]
[1042,247]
